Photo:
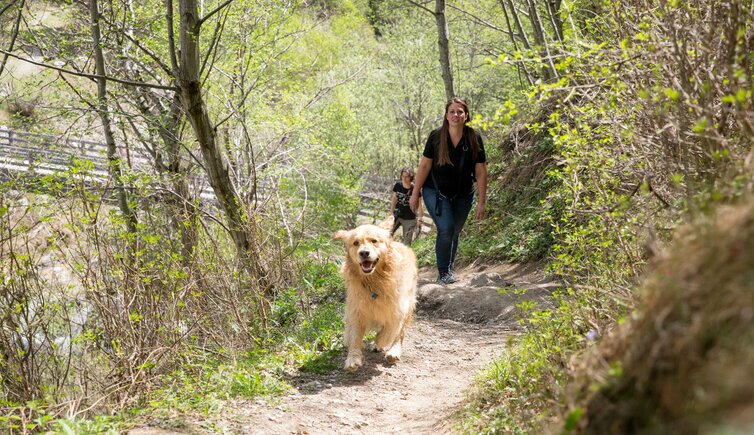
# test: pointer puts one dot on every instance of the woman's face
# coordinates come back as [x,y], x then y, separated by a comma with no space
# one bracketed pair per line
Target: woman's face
[405,176]
[456,114]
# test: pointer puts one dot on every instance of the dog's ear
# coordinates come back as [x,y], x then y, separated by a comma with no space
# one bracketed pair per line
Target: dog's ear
[385,234]
[387,224]
[340,235]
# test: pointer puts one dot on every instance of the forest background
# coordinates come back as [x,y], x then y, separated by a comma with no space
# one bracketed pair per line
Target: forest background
[609,125]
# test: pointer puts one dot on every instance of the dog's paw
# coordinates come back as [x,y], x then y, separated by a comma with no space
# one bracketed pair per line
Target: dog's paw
[391,358]
[352,364]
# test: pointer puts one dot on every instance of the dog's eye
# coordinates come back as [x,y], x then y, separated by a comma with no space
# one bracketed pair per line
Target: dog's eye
[374,241]
[355,243]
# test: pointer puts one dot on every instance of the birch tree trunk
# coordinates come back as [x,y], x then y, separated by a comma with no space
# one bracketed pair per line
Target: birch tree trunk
[115,164]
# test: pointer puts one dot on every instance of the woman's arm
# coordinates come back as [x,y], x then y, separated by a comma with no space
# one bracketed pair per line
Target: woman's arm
[425,164]
[481,187]
[393,202]
[419,215]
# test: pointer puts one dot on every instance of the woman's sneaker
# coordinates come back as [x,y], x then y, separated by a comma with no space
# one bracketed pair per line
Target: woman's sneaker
[446,278]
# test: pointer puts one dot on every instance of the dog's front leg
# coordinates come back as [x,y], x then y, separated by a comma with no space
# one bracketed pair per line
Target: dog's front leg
[394,353]
[389,340]
[354,340]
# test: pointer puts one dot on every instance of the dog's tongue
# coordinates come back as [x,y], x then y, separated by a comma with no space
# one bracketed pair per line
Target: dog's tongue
[367,266]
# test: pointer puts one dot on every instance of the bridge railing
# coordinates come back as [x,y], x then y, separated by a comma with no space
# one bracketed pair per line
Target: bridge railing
[43,154]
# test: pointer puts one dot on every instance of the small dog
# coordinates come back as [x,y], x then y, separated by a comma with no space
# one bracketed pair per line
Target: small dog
[380,276]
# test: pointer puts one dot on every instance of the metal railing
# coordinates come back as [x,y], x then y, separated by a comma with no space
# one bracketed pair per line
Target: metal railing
[42,154]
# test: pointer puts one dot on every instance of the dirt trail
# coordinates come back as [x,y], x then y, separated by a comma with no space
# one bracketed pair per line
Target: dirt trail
[457,331]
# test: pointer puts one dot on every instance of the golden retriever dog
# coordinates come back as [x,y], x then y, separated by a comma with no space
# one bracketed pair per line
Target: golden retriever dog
[380,276]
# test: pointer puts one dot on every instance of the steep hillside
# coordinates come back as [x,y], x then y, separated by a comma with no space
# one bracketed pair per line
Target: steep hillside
[684,363]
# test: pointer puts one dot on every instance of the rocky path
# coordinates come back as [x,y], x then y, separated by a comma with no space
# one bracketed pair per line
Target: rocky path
[458,330]
[412,397]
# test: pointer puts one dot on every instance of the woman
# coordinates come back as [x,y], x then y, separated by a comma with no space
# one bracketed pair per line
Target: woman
[404,215]
[452,160]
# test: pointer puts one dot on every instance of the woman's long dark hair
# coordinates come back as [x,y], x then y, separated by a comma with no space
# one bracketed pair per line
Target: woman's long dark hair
[443,153]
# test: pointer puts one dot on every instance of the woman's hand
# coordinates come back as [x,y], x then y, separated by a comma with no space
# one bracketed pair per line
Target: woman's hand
[479,214]
[481,186]
[425,165]
[413,202]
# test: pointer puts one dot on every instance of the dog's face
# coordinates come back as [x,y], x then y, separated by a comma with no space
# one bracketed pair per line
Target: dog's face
[366,245]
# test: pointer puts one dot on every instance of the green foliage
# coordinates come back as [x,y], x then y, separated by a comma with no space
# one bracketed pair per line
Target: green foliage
[253,383]
[516,226]
[321,278]
[636,150]
[424,248]
[322,362]
[304,334]
[316,343]
[205,381]
[523,388]
[97,425]
[17,419]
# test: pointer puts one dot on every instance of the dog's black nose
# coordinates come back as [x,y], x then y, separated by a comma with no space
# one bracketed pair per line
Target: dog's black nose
[363,254]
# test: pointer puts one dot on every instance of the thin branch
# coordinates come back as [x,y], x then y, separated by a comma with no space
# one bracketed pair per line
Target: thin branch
[147,51]
[14,33]
[171,36]
[260,71]
[421,6]
[77,92]
[216,10]
[212,51]
[554,23]
[90,76]
[517,20]
[6,7]
[478,20]
[320,93]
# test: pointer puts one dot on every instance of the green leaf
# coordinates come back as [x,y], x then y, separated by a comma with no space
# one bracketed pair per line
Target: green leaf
[701,125]
[66,428]
[672,94]
[729,99]
[573,419]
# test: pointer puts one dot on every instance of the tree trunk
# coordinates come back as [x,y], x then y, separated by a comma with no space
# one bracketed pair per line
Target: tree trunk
[196,112]
[115,164]
[514,37]
[186,219]
[517,20]
[553,11]
[166,122]
[442,42]
[13,35]
[548,67]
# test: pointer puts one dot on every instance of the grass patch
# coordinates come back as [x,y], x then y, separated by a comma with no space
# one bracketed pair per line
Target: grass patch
[322,362]
[519,392]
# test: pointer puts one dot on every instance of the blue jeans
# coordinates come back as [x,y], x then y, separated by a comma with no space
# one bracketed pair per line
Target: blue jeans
[449,223]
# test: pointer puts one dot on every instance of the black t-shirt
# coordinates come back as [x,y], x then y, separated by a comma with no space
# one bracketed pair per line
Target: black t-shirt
[447,176]
[403,195]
